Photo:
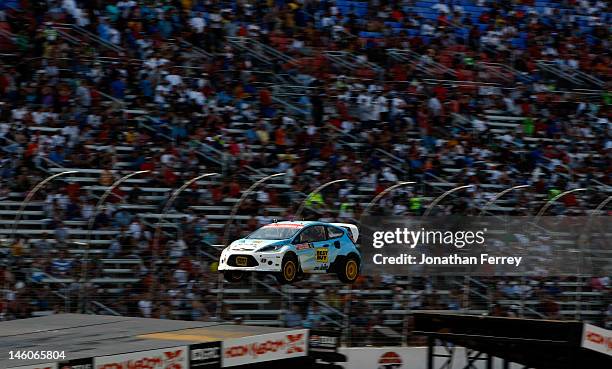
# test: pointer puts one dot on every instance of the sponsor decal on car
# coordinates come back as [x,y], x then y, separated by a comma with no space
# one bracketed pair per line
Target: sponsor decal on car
[169,358]
[322,255]
[241,260]
[284,225]
[303,246]
[265,347]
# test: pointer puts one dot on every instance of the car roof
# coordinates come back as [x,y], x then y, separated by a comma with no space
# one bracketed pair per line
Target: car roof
[303,222]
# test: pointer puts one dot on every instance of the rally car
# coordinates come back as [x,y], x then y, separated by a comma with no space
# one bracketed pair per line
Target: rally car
[292,250]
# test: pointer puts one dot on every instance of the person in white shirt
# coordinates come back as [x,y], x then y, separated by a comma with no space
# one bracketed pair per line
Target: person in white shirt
[382,108]
[347,126]
[441,7]
[40,117]
[174,79]
[389,175]
[167,159]
[427,29]
[398,106]
[146,306]
[135,228]
[264,218]
[161,91]
[364,102]
[435,106]
[72,133]
[197,97]
[263,197]
[479,124]
[198,23]
[58,140]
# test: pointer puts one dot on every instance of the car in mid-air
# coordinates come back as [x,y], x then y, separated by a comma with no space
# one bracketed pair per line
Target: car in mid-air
[291,250]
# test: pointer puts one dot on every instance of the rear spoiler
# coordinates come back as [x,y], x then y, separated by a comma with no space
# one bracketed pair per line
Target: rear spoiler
[353,230]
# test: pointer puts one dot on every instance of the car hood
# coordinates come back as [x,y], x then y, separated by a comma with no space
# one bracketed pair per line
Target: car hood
[254,244]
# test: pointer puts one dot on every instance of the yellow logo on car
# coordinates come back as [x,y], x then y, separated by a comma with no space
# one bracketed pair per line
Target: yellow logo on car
[322,255]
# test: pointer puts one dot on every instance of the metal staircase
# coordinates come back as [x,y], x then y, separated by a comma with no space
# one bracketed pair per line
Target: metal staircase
[346,60]
[504,73]
[78,35]
[427,66]
[262,52]
[575,77]
[286,88]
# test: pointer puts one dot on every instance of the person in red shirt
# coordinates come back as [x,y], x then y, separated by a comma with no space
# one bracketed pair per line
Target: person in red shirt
[265,97]
[170,178]
[73,190]
[279,136]
[234,188]
[234,148]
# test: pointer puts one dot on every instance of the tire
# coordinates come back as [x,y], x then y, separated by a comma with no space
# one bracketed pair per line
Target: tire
[302,277]
[290,270]
[348,270]
[234,276]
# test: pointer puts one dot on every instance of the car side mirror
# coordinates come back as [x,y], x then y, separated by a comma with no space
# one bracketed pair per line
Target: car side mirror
[337,244]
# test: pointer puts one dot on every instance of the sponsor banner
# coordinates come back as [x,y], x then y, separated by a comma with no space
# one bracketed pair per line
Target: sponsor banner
[597,339]
[323,341]
[265,347]
[206,355]
[86,363]
[36,366]
[407,358]
[168,358]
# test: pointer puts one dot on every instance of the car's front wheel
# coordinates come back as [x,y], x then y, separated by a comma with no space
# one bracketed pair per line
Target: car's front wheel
[348,270]
[289,269]
[234,276]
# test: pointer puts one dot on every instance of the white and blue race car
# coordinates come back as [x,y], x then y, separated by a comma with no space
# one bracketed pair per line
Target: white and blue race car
[291,250]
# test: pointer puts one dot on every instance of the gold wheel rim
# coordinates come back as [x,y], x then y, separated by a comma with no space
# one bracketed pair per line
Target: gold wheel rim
[351,269]
[289,271]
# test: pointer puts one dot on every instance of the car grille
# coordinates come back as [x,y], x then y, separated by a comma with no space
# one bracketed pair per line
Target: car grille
[233,260]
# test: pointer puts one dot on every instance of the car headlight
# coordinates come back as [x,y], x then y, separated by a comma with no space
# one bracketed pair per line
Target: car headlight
[270,248]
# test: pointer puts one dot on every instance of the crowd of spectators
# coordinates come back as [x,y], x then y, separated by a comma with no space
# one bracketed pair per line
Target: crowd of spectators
[164,78]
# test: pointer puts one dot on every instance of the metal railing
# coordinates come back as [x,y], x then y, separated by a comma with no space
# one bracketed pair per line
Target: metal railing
[424,64]
[64,29]
[350,61]
[259,50]
[573,76]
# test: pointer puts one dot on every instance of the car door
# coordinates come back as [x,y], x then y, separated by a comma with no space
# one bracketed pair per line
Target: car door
[312,249]
[334,240]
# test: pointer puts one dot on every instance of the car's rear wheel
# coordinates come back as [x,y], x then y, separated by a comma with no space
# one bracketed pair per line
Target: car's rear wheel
[348,270]
[234,276]
[289,269]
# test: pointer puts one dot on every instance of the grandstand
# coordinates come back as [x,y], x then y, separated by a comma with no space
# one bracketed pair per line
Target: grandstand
[442,93]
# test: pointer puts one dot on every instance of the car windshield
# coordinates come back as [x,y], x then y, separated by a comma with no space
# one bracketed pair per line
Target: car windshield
[275,232]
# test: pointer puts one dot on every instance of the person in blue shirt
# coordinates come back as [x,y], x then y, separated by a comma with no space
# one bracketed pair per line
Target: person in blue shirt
[57,155]
[293,318]
[118,88]
[313,318]
[146,87]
